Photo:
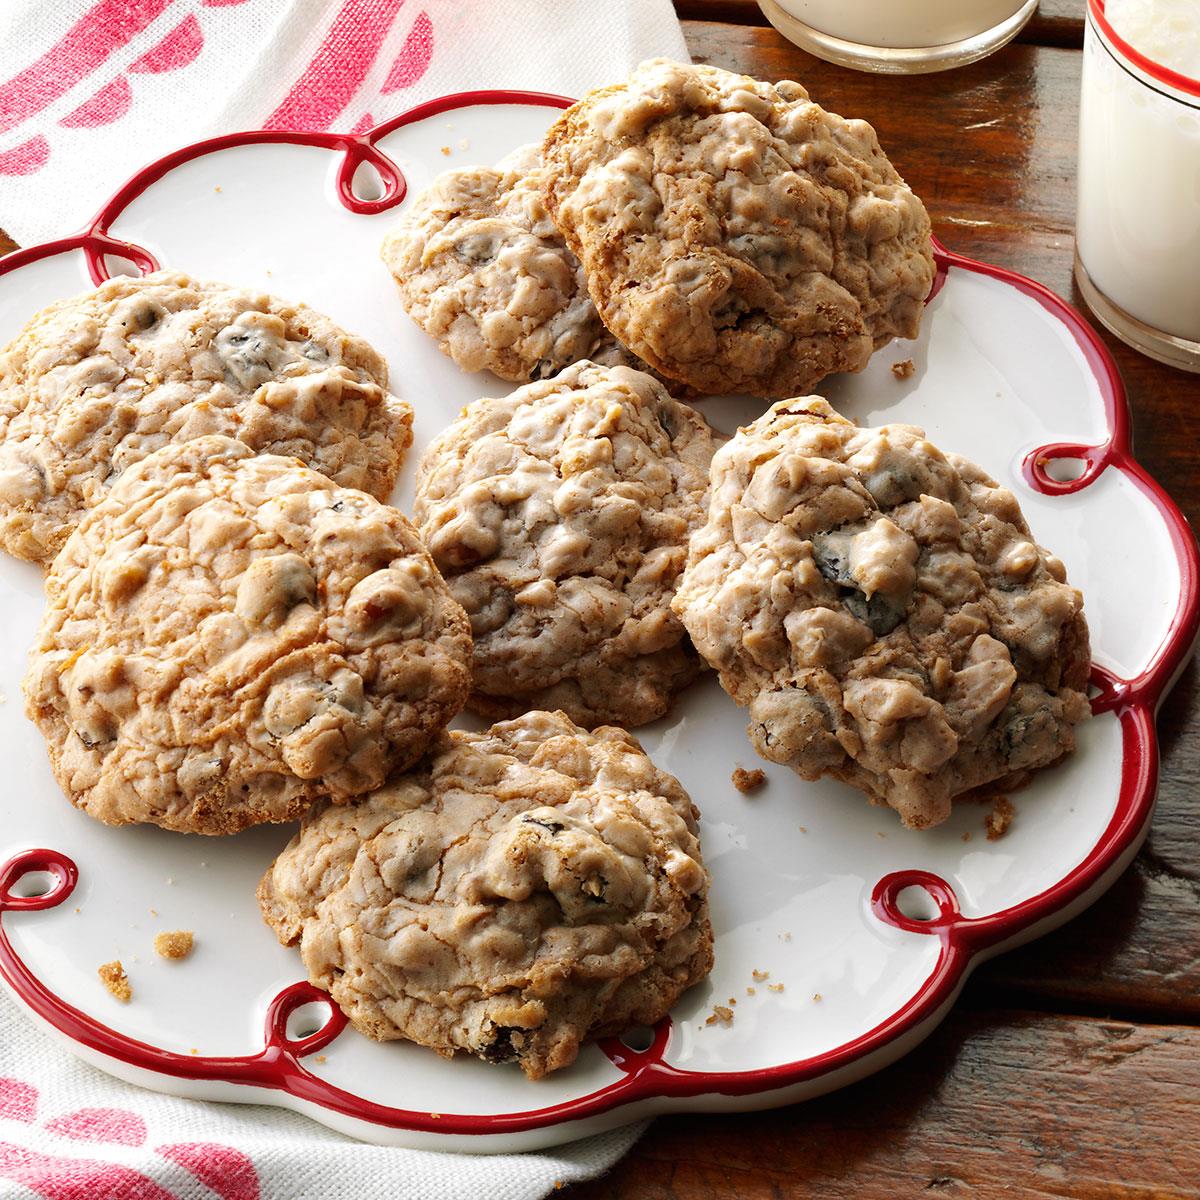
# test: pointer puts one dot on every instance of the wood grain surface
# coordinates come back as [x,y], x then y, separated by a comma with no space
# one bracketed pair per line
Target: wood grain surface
[1070,1068]
[999,1104]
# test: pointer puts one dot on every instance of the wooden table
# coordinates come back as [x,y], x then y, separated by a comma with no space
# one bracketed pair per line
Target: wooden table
[1070,1068]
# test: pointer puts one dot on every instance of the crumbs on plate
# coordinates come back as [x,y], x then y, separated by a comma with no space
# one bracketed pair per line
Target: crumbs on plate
[748,781]
[113,976]
[720,1014]
[1000,818]
[176,943]
[903,369]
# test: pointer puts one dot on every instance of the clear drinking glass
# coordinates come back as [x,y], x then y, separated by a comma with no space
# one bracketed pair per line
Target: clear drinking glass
[899,37]
[1137,234]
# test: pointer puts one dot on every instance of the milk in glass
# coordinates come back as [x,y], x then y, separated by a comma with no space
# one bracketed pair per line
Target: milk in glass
[902,24]
[1138,227]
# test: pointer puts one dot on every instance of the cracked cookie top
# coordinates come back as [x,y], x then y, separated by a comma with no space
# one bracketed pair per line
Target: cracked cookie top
[883,611]
[483,270]
[735,235]
[559,516]
[230,636]
[96,382]
[520,890]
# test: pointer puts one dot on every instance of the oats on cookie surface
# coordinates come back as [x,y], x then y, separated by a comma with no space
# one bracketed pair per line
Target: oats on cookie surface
[559,515]
[96,382]
[482,269]
[230,636]
[734,234]
[883,612]
[518,891]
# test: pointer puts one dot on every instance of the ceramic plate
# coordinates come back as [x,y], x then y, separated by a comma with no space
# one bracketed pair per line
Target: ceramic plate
[842,937]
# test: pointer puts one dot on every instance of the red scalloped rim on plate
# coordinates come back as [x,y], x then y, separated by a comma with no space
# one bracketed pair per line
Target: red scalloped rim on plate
[645,1075]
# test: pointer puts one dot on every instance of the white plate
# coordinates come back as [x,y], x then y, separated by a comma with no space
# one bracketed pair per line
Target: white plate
[805,876]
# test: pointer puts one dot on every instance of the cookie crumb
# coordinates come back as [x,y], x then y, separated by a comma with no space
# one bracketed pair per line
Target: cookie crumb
[774,987]
[817,997]
[880,834]
[785,936]
[751,991]
[435,1116]
[732,1000]
[217,188]
[1000,818]
[748,781]
[321,1059]
[903,369]
[966,837]
[445,150]
[154,912]
[193,1050]
[175,944]
[3,698]
[113,976]
[722,1014]
[761,975]
[803,828]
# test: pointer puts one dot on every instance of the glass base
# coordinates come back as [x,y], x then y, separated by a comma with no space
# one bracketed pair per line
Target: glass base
[889,60]
[1164,347]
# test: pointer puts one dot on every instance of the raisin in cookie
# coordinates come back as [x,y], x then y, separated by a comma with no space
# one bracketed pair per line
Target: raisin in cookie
[559,516]
[520,890]
[882,610]
[483,270]
[229,637]
[95,383]
[734,234]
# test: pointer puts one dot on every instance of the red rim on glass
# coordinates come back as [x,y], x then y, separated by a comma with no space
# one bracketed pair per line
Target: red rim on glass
[1148,66]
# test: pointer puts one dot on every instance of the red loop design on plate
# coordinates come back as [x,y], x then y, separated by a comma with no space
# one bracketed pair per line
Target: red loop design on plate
[395,186]
[645,1075]
[1037,463]
[632,1061]
[885,902]
[280,1010]
[32,862]
[1112,692]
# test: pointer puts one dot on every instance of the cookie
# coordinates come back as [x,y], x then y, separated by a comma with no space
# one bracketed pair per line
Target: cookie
[735,235]
[559,515]
[483,270]
[883,611]
[95,383]
[229,637]
[519,891]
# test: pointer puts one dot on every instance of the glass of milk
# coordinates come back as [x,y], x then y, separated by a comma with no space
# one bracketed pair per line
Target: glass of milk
[899,36]
[1137,235]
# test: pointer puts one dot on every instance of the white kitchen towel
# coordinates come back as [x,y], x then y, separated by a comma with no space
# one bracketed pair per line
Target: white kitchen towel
[94,90]
[89,93]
